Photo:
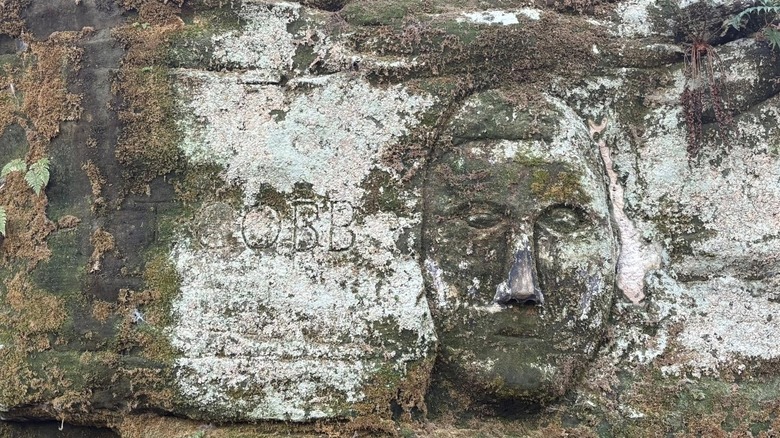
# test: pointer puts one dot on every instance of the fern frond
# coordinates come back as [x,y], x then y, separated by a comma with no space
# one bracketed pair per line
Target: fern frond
[773,37]
[2,221]
[17,165]
[38,175]
[768,7]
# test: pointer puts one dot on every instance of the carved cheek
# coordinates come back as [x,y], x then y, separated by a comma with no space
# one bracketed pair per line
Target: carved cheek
[575,263]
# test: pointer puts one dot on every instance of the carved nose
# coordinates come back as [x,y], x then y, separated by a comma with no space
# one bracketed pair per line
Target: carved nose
[522,286]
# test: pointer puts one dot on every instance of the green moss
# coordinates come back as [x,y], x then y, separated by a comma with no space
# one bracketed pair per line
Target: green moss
[192,47]
[148,145]
[376,13]
[483,56]
[381,193]
[690,407]
[64,273]
[268,196]
[161,275]
[13,142]
[14,376]
[503,115]
[202,183]
[557,185]
[9,62]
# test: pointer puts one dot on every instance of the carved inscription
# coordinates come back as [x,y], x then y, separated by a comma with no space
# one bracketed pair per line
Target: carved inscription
[304,225]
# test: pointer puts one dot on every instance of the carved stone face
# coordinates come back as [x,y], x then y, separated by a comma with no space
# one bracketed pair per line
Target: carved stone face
[518,247]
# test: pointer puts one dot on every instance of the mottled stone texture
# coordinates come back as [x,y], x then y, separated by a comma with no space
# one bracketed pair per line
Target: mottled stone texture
[389,217]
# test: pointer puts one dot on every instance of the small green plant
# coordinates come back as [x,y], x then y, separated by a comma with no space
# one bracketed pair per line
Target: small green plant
[36,175]
[770,10]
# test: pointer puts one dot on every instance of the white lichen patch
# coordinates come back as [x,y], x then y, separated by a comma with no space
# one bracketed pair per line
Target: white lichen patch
[268,336]
[490,17]
[727,311]
[736,203]
[442,289]
[329,134]
[724,207]
[533,14]
[726,322]
[263,43]
[289,311]
[634,18]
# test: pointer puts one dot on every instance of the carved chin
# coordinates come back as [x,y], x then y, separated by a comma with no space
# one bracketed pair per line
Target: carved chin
[506,378]
[527,369]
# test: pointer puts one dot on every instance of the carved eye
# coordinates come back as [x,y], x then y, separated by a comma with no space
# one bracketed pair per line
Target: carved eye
[563,220]
[481,216]
[483,220]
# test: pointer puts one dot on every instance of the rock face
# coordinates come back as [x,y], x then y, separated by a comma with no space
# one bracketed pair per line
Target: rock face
[560,218]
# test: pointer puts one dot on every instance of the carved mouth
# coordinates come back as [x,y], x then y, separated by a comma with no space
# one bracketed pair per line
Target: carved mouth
[516,332]
[530,304]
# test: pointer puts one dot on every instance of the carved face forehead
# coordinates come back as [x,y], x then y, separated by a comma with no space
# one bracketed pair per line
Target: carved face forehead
[515,178]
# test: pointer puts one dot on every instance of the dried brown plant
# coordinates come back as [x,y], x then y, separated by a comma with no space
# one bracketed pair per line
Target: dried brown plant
[704,87]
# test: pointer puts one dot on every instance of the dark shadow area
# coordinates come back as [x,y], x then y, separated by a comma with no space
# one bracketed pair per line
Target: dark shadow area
[48,429]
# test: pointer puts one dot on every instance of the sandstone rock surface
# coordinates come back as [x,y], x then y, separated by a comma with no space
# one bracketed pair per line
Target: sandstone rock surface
[385,216]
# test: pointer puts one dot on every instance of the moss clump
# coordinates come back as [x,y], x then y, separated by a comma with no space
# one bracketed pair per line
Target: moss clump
[392,395]
[485,55]
[31,319]
[556,186]
[14,376]
[379,12]
[148,144]
[96,180]
[9,105]
[12,22]
[47,101]
[160,275]
[33,313]
[154,12]
[41,102]
[381,193]
[327,5]
[201,183]
[102,242]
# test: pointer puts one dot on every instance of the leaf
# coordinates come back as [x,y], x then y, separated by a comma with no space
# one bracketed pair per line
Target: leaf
[769,8]
[773,36]
[17,165]
[38,175]
[2,221]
